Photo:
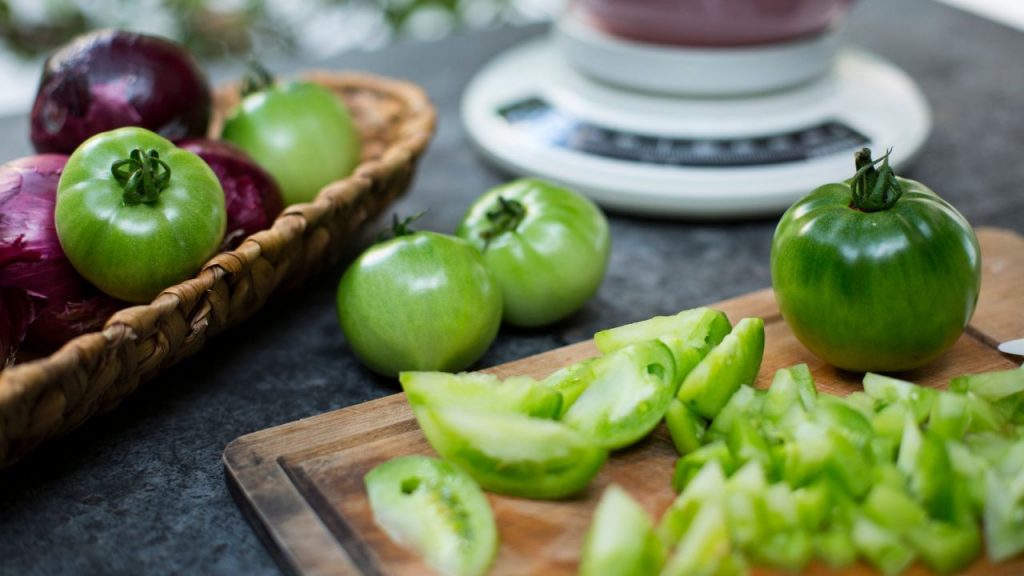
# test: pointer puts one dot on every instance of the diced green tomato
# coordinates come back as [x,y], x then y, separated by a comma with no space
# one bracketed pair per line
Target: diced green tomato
[835,546]
[884,449]
[837,415]
[685,427]
[910,446]
[971,470]
[883,548]
[932,480]
[983,417]
[790,550]
[749,478]
[479,391]
[791,387]
[889,390]
[707,486]
[704,547]
[812,505]
[511,453]
[893,509]
[437,510]
[621,539]
[887,474]
[1010,407]
[807,454]
[741,405]
[991,386]
[890,421]
[991,447]
[944,547]
[748,444]
[570,382]
[781,508]
[691,464]
[860,401]
[848,466]
[1003,520]
[629,395]
[697,330]
[726,367]
[745,513]
[949,418]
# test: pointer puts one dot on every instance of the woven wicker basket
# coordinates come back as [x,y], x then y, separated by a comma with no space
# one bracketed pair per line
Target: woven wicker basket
[49,397]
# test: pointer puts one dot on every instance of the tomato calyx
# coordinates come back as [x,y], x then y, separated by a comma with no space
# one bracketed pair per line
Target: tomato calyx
[874,189]
[504,217]
[142,176]
[256,79]
[400,227]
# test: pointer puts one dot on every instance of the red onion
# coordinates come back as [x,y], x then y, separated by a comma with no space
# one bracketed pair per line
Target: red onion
[111,78]
[32,260]
[16,312]
[252,197]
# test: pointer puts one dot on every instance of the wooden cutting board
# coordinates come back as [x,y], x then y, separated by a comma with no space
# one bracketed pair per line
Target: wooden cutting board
[301,484]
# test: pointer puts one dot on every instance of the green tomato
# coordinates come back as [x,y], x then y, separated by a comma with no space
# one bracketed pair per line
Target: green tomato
[436,509]
[420,301]
[300,132]
[546,246]
[621,539]
[135,214]
[875,274]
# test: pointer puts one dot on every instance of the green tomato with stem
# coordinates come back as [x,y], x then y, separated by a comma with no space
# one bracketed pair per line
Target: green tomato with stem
[135,214]
[877,273]
[547,247]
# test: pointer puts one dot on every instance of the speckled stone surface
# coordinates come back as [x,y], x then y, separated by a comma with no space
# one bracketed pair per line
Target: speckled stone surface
[141,490]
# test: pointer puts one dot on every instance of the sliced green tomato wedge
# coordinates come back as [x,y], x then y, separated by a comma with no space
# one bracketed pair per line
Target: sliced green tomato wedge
[689,334]
[436,509]
[726,367]
[570,382]
[888,390]
[512,453]
[685,427]
[480,391]
[621,539]
[629,395]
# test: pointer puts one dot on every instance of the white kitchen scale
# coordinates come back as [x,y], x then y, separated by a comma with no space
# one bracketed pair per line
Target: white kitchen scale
[686,132]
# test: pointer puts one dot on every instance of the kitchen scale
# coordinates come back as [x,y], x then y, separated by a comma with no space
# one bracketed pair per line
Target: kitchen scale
[690,132]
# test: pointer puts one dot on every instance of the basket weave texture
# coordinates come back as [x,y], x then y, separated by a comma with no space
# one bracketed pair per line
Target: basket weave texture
[91,374]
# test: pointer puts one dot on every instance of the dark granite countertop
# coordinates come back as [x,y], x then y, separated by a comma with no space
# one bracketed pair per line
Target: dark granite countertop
[141,490]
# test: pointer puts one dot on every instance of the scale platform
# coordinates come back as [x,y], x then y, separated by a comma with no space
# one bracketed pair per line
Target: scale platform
[533,114]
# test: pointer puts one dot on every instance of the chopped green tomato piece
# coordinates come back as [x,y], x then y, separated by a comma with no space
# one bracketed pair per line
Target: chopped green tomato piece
[848,465]
[707,486]
[992,386]
[704,547]
[949,418]
[931,480]
[840,417]
[890,421]
[944,547]
[791,387]
[685,427]
[889,390]
[971,470]
[1003,520]
[745,506]
[726,367]
[983,417]
[835,547]
[812,504]
[691,464]
[861,402]
[629,395]
[511,453]
[621,540]
[807,455]
[748,444]
[741,405]
[893,509]
[570,382]
[689,334]
[480,391]
[883,548]
[437,510]
[782,513]
[790,550]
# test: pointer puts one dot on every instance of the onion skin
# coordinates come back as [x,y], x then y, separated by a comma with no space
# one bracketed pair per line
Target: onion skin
[251,195]
[111,78]
[32,260]
[16,312]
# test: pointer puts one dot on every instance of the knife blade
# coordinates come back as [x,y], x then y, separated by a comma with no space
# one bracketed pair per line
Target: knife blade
[1015,347]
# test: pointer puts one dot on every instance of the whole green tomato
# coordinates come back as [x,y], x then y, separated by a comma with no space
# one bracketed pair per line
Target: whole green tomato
[875,274]
[420,301]
[135,214]
[300,132]
[547,246]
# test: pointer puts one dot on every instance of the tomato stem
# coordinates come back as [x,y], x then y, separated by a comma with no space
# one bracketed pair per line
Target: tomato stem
[504,217]
[256,79]
[400,227]
[874,189]
[142,176]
